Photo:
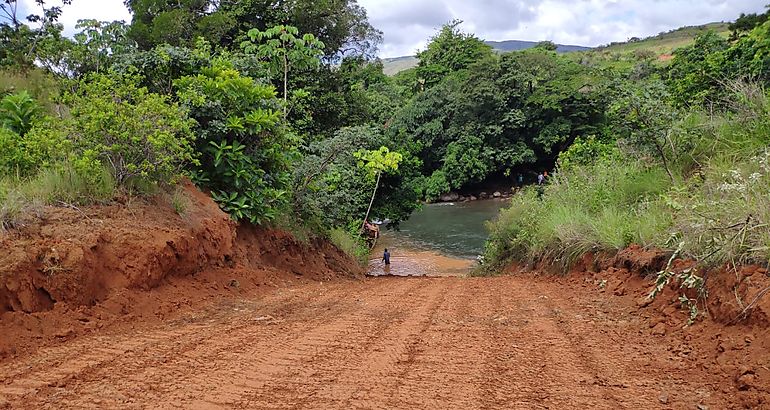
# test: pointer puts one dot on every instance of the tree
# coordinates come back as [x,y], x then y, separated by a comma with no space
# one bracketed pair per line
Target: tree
[377,162]
[331,187]
[547,45]
[697,70]
[498,114]
[750,56]
[647,119]
[173,22]
[340,24]
[448,51]
[19,43]
[284,49]
[98,44]
[746,22]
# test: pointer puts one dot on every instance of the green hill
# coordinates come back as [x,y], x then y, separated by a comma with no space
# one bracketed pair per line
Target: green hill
[393,66]
[659,48]
[666,43]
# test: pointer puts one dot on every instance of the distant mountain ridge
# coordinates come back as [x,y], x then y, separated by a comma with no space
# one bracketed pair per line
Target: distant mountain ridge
[518,45]
[395,65]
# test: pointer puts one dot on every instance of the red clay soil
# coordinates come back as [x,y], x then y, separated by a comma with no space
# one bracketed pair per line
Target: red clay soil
[512,342]
[74,271]
[132,306]
[729,340]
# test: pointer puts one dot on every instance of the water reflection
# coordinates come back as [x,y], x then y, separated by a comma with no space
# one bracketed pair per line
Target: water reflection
[439,240]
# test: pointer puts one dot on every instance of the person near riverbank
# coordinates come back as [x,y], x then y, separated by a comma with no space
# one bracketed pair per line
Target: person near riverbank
[540,179]
[386,257]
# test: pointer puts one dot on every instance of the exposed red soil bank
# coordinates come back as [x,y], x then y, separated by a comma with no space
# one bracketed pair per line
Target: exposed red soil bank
[730,338]
[75,270]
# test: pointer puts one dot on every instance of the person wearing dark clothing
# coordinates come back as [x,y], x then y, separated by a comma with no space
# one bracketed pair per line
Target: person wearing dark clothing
[386,257]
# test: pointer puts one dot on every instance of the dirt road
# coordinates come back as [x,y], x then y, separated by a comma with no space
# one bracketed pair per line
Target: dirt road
[508,342]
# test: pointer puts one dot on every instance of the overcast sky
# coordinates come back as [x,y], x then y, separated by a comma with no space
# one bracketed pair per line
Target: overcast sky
[408,24]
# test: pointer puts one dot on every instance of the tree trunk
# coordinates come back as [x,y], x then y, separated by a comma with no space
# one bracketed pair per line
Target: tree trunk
[285,85]
[377,185]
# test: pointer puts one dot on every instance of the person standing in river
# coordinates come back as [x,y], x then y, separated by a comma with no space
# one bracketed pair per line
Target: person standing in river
[386,257]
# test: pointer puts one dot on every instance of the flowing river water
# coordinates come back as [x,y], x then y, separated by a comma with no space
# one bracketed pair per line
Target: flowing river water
[438,240]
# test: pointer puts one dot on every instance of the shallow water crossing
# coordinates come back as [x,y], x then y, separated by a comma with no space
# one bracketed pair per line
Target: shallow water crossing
[438,240]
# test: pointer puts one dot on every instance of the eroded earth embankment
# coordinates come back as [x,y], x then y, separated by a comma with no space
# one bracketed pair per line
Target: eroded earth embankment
[75,270]
[135,306]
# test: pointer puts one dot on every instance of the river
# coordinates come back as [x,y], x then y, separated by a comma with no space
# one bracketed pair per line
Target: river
[438,240]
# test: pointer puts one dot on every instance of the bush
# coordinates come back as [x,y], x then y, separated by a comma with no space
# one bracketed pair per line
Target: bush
[137,134]
[436,185]
[18,112]
[12,157]
[246,152]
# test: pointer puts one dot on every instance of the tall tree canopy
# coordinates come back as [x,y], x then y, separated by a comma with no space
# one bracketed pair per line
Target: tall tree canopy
[342,25]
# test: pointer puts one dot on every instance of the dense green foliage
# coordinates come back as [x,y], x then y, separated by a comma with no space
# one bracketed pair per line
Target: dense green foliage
[682,166]
[495,114]
[137,134]
[278,110]
[341,25]
[245,151]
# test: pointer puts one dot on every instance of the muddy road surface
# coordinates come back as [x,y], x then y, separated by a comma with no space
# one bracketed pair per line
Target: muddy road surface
[380,343]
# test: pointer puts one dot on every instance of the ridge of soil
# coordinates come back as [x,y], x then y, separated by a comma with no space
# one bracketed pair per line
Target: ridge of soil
[731,335]
[74,271]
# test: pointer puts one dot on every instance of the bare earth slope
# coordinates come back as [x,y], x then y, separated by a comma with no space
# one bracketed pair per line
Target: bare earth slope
[518,342]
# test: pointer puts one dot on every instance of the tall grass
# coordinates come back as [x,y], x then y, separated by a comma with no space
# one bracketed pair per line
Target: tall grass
[718,206]
[22,197]
[600,207]
[352,246]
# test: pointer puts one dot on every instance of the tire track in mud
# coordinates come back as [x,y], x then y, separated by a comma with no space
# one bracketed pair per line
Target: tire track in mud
[331,376]
[223,355]
[140,354]
[514,343]
[81,356]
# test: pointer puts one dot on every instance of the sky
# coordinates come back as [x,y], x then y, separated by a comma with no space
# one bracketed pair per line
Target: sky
[408,24]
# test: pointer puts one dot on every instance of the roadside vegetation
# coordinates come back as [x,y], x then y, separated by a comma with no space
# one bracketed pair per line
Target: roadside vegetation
[284,115]
[682,165]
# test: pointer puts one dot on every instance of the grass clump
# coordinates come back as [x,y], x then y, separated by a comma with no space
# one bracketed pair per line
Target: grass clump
[180,201]
[21,197]
[600,207]
[353,246]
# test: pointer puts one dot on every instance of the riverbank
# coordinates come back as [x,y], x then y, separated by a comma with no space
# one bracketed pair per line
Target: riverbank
[442,239]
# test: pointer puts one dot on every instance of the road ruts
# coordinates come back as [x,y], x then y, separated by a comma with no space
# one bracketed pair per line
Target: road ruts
[385,343]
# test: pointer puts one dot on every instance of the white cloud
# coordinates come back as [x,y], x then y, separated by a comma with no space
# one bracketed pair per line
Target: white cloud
[581,22]
[408,24]
[103,10]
